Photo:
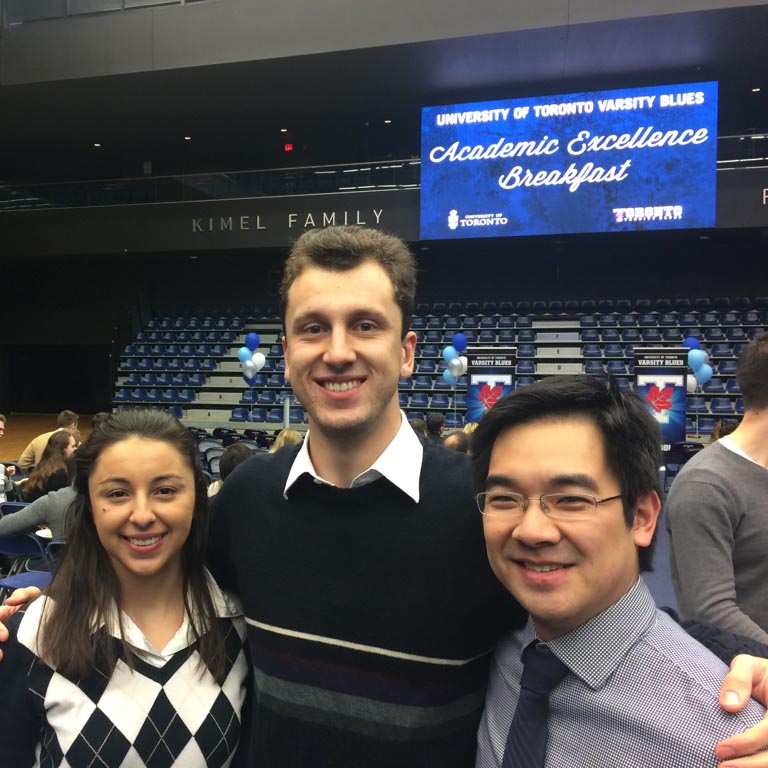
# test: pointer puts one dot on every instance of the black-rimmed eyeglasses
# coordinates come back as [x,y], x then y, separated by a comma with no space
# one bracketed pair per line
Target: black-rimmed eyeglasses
[560,506]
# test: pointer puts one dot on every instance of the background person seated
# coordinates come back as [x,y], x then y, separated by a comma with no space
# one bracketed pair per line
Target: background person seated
[50,473]
[33,453]
[286,437]
[233,455]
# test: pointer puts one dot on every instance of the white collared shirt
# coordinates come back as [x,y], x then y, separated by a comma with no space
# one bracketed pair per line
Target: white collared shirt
[400,463]
[731,446]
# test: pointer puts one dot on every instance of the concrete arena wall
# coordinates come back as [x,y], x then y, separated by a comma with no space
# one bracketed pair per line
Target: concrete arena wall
[225,31]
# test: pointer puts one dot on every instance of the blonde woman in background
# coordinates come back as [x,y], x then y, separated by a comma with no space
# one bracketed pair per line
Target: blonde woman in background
[286,437]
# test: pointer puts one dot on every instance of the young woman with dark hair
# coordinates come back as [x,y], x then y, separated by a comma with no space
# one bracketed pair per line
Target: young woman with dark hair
[51,473]
[134,656]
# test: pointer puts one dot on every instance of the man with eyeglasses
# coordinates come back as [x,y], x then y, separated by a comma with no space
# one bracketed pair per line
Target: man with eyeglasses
[567,473]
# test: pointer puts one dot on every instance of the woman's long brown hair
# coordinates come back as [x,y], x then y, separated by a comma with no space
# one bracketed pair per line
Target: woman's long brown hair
[85,588]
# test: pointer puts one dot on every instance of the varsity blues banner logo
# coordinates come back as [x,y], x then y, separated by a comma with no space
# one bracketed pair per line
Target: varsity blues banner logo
[491,376]
[660,374]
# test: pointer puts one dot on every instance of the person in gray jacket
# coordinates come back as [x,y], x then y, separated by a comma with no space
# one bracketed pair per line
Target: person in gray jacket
[718,517]
[48,510]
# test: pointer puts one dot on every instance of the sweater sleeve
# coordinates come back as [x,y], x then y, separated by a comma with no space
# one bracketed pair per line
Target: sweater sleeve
[26,519]
[702,523]
[19,725]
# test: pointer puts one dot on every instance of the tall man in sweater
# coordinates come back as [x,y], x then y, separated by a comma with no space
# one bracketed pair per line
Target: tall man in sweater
[370,604]
[718,515]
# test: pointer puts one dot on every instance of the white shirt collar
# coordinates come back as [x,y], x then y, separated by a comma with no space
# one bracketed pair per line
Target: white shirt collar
[400,463]
[726,442]
[224,606]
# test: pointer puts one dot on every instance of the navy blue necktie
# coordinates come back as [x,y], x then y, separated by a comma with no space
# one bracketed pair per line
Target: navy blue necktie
[527,740]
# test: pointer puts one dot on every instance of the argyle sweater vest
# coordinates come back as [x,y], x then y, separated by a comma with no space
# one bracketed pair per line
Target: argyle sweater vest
[370,618]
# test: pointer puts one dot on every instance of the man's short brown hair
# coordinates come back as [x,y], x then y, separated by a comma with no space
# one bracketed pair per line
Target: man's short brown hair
[67,419]
[342,248]
[752,372]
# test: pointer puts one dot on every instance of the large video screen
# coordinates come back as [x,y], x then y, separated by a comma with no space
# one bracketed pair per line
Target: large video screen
[604,161]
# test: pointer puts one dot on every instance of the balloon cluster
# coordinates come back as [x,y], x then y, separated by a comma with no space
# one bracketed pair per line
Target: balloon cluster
[698,360]
[456,362]
[252,360]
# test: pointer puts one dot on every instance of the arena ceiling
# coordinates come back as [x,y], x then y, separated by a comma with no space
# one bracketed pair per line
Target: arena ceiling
[335,105]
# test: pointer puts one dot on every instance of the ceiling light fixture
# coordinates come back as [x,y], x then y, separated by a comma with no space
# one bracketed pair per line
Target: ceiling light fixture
[755,90]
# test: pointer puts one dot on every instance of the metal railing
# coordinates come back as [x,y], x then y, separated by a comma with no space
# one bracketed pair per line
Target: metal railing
[312,180]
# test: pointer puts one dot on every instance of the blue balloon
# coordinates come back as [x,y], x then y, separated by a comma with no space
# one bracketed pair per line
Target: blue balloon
[450,378]
[459,342]
[249,380]
[703,374]
[450,353]
[696,359]
[244,354]
[691,342]
[252,341]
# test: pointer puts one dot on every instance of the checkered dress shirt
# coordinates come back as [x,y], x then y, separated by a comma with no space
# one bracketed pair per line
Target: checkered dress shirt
[640,693]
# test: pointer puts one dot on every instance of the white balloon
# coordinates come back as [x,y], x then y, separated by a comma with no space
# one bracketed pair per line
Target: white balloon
[706,357]
[249,368]
[258,360]
[463,364]
[455,367]
[690,384]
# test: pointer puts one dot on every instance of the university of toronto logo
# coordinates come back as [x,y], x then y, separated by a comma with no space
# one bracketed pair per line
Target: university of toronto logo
[453,219]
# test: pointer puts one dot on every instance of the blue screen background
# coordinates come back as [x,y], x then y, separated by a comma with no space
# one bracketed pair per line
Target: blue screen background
[661,176]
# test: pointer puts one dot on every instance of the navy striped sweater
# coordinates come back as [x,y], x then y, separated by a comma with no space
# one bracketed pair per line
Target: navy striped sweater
[370,618]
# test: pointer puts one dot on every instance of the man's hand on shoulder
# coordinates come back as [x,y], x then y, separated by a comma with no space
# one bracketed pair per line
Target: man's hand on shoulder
[748,677]
[18,599]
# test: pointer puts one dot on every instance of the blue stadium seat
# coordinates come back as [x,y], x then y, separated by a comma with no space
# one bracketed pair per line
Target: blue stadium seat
[175,410]
[714,386]
[630,334]
[720,350]
[671,334]
[275,416]
[187,395]
[524,322]
[733,387]
[647,321]
[422,381]
[267,397]
[616,367]
[591,350]
[611,334]
[182,379]
[133,379]
[149,379]
[709,319]
[507,336]
[123,395]
[440,400]
[296,416]
[239,414]
[460,400]
[170,395]
[506,322]
[733,318]
[276,380]
[705,425]
[526,350]
[739,405]
[590,335]
[453,420]
[668,320]
[430,350]
[405,383]
[721,405]
[726,367]
[250,397]
[696,405]
[526,335]
[403,397]
[452,324]
[614,350]
[488,322]
[588,321]
[526,367]
[487,336]
[651,335]
[427,366]
[523,381]
[593,367]
[608,321]
[419,400]
[413,415]
[715,334]
[737,334]
[469,322]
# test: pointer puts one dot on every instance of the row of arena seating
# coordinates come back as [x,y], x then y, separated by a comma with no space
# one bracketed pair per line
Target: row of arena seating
[189,360]
[667,320]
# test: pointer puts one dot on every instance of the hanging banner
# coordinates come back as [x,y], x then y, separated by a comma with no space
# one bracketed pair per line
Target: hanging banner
[491,373]
[660,374]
